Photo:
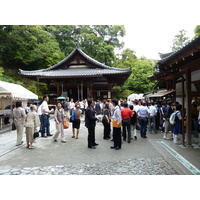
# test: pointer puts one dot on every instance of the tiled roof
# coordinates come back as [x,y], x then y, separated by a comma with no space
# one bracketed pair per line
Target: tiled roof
[175,54]
[74,72]
[101,69]
[165,55]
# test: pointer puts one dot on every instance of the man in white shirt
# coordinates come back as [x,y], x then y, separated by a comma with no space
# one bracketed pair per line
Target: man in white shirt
[143,116]
[45,117]
[137,105]
[152,119]
[39,111]
[117,130]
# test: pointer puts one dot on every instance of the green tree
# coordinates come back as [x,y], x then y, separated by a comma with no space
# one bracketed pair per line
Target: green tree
[101,41]
[28,47]
[6,44]
[141,69]
[180,40]
[111,34]
[126,59]
[98,41]
[138,81]
[120,92]
[65,35]
[197,31]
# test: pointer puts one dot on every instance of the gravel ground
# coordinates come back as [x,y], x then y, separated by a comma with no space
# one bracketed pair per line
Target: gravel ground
[139,166]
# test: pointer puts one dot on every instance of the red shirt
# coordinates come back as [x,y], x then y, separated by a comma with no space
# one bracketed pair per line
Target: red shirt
[126,113]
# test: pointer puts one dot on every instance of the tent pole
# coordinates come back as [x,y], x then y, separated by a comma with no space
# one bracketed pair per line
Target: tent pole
[11,113]
[38,86]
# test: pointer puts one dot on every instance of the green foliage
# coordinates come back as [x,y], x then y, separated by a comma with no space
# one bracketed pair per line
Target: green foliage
[121,93]
[12,76]
[1,71]
[33,87]
[197,31]
[141,69]
[126,59]
[65,36]
[101,41]
[35,47]
[180,40]
[28,47]
[32,47]
[5,76]
[138,81]
[98,41]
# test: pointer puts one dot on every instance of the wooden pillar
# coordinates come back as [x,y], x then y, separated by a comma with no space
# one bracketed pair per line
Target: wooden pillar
[58,88]
[174,88]
[109,91]
[188,108]
[183,109]
[81,91]
[78,92]
[88,91]
[168,87]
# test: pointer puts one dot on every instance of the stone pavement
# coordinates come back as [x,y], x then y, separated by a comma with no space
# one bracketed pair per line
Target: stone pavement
[142,156]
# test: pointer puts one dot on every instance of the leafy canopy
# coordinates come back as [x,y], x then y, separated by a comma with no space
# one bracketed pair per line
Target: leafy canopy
[33,47]
[180,40]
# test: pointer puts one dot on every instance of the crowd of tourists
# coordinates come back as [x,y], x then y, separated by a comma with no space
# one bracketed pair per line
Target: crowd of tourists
[120,120]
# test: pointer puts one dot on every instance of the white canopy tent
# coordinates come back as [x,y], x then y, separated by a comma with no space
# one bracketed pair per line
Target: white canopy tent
[16,91]
[134,97]
[10,92]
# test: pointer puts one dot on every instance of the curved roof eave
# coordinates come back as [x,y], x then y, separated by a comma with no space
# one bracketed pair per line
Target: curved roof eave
[91,60]
[174,54]
[76,72]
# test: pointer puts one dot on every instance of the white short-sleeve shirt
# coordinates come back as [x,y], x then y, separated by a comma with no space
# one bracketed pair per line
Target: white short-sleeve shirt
[44,106]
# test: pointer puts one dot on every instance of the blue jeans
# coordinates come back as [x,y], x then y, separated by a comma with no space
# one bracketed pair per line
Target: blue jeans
[40,116]
[152,120]
[143,126]
[45,125]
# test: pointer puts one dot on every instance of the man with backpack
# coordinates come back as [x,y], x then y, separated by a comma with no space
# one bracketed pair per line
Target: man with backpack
[177,127]
[168,126]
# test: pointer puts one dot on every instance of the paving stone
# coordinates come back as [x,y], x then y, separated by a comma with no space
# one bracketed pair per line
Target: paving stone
[25,172]
[16,173]
[139,166]
[3,171]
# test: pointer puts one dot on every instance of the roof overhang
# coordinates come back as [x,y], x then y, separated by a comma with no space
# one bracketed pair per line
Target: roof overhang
[161,94]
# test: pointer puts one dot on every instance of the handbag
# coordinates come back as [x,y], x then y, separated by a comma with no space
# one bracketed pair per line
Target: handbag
[115,125]
[36,134]
[66,124]
[13,126]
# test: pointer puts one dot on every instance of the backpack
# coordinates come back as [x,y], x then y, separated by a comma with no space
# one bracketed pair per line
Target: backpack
[168,112]
[134,118]
[172,118]
[73,116]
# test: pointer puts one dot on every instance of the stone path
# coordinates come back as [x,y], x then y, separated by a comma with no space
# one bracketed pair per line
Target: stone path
[140,166]
[140,157]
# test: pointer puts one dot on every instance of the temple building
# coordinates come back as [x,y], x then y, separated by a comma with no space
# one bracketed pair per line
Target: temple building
[179,73]
[79,76]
